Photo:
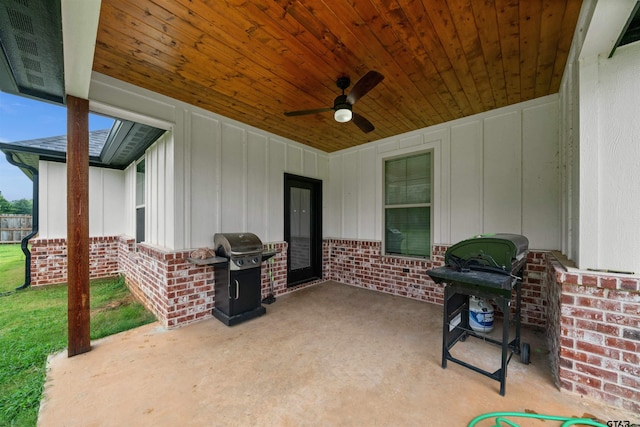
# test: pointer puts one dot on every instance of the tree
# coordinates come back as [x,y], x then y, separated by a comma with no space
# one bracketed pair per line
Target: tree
[19,207]
[22,206]
[5,206]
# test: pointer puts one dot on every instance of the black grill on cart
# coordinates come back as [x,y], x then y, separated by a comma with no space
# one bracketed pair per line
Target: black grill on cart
[237,278]
[490,267]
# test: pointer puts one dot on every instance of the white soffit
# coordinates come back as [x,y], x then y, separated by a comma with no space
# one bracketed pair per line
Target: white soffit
[607,23]
[120,114]
[79,32]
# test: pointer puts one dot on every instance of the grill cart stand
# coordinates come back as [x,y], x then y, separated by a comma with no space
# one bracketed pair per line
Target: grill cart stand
[237,276]
[488,267]
[456,318]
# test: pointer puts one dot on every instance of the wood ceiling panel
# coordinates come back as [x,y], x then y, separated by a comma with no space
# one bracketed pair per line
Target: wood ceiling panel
[530,18]
[252,61]
[466,28]
[550,28]
[509,28]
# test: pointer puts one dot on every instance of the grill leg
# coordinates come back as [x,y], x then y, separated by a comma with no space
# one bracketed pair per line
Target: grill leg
[505,343]
[455,323]
[445,328]
[518,308]
[456,303]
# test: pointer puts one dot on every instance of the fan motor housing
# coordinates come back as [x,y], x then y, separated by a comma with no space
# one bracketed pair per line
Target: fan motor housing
[343,82]
[341,102]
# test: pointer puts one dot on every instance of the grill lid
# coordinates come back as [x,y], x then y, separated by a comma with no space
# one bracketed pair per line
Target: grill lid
[501,251]
[237,244]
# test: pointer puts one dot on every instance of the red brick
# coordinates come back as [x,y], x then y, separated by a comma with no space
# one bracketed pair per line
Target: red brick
[631,406]
[591,325]
[630,382]
[599,303]
[632,309]
[624,296]
[567,342]
[589,280]
[581,378]
[597,394]
[629,284]
[622,319]
[566,363]
[624,392]
[622,367]
[573,355]
[571,278]
[598,349]
[632,358]
[582,313]
[600,374]
[566,385]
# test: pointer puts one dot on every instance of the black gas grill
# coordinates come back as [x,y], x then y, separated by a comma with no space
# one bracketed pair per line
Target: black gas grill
[237,278]
[485,266]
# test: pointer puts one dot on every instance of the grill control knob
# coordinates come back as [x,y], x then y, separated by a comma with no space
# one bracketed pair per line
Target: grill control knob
[255,260]
[239,262]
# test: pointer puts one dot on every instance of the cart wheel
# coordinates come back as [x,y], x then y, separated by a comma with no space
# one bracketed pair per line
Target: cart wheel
[524,354]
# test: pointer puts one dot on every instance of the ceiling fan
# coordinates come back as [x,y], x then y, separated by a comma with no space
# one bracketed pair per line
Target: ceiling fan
[342,105]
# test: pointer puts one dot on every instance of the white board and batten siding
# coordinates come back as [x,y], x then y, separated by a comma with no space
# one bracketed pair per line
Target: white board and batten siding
[237,179]
[208,174]
[618,161]
[599,134]
[107,201]
[601,173]
[493,172]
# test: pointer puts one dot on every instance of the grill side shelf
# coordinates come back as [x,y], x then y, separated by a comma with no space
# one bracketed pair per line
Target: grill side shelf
[268,254]
[208,261]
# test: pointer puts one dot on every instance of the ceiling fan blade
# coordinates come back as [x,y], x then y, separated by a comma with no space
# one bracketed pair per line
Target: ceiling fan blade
[364,124]
[303,112]
[364,85]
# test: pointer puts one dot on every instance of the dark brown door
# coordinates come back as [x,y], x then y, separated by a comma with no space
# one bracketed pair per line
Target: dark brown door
[303,228]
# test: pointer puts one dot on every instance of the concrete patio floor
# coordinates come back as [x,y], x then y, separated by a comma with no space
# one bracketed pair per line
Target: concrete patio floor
[327,355]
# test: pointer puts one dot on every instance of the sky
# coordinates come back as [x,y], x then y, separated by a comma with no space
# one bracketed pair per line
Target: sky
[23,119]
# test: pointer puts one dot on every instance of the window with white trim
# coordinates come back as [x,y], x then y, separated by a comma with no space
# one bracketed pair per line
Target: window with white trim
[407,205]
[140,201]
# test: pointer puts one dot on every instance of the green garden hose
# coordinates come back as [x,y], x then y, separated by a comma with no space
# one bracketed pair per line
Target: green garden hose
[500,421]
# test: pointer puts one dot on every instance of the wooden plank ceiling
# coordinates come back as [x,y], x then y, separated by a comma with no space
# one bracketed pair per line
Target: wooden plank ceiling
[254,60]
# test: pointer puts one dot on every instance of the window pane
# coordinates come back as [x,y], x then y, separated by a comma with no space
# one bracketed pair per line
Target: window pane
[407,180]
[395,189]
[140,183]
[140,225]
[300,228]
[408,231]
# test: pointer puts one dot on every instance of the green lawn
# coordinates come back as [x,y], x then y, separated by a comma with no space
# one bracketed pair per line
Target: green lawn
[33,324]
[11,267]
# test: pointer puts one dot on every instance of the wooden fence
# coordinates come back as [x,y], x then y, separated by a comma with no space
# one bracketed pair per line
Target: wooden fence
[13,228]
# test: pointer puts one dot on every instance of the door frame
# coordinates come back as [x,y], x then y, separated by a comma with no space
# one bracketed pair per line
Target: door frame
[315,271]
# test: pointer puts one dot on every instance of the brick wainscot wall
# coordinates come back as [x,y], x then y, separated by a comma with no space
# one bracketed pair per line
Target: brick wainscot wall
[180,292]
[49,259]
[593,333]
[592,320]
[361,263]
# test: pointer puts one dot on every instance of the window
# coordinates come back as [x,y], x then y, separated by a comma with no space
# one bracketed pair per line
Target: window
[140,202]
[407,205]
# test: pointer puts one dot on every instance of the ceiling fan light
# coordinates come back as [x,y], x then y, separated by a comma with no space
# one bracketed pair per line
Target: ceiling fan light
[343,115]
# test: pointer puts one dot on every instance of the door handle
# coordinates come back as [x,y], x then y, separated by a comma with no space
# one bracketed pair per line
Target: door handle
[237,289]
